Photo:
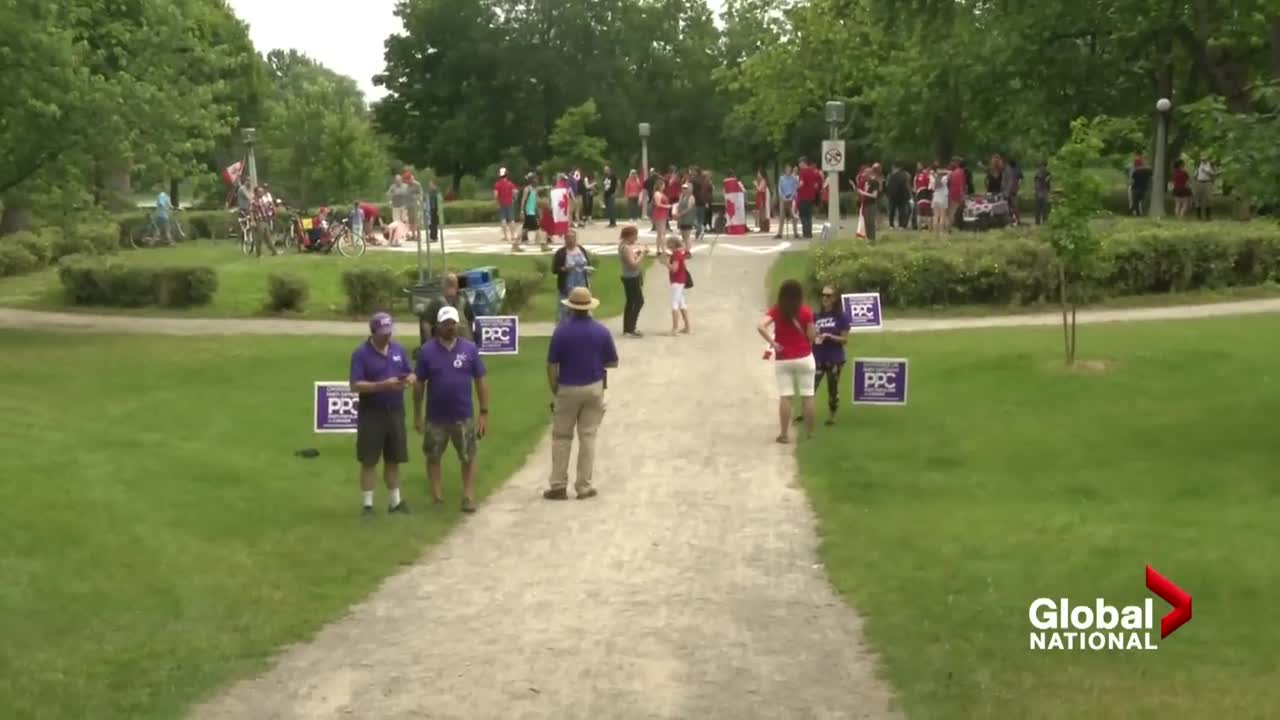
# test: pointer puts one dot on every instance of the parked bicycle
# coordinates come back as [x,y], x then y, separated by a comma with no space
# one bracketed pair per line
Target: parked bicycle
[308,238]
[153,233]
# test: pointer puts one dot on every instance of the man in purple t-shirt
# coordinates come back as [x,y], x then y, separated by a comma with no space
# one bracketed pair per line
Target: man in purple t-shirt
[448,365]
[379,373]
[581,351]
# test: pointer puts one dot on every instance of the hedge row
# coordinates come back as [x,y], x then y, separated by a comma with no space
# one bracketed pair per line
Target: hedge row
[27,251]
[93,281]
[1021,269]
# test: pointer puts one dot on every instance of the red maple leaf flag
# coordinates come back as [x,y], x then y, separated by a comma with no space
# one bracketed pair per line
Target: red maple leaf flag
[735,207]
[560,210]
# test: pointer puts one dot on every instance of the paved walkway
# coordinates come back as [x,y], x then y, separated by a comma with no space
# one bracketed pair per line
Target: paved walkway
[688,589]
[12,319]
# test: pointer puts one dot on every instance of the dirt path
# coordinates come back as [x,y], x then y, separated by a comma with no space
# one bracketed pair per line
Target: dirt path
[14,319]
[688,589]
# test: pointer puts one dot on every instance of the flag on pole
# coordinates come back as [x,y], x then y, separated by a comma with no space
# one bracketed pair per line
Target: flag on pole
[735,207]
[231,175]
[560,204]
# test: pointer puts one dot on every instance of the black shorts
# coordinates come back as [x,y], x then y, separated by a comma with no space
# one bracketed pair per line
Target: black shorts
[380,435]
[531,223]
[1182,192]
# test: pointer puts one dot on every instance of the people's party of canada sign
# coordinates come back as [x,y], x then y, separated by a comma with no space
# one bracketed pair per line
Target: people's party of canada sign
[1061,625]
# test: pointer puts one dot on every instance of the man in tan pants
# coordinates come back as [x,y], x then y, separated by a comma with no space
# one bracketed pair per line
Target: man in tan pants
[580,353]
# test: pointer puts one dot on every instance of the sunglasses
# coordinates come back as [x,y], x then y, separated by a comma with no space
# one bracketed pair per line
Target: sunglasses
[827,294]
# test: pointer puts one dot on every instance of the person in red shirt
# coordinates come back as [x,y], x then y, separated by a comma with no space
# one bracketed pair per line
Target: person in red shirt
[678,273]
[789,329]
[1181,189]
[632,189]
[922,194]
[504,193]
[369,219]
[957,187]
[807,194]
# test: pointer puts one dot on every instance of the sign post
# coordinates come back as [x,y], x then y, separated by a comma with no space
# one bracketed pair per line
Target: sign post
[879,381]
[833,164]
[498,334]
[336,408]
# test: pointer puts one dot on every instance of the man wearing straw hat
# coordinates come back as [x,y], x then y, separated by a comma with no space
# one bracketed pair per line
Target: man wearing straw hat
[580,354]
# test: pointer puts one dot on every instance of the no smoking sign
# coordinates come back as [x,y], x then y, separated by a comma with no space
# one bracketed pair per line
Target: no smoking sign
[833,156]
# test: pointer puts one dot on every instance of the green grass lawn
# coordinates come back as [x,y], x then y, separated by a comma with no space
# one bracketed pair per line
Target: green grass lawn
[1008,478]
[242,281]
[158,538]
[796,265]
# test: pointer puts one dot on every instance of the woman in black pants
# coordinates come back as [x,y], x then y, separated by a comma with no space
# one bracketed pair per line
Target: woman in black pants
[631,255]
[828,347]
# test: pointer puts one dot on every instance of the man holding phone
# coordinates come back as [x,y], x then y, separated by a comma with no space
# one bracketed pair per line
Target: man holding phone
[379,373]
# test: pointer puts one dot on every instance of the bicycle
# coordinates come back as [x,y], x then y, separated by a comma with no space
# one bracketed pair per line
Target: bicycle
[350,244]
[151,234]
[245,229]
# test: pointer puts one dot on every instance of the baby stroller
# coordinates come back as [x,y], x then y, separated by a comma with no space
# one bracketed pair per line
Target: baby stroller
[985,212]
[924,208]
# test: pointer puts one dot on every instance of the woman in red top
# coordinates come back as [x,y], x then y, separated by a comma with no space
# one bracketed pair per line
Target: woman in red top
[678,274]
[789,329]
[661,212]
[631,190]
[1181,189]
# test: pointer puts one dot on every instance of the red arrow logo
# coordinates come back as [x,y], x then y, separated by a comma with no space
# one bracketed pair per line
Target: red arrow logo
[1175,596]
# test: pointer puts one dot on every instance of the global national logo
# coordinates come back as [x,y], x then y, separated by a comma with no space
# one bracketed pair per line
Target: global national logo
[1060,624]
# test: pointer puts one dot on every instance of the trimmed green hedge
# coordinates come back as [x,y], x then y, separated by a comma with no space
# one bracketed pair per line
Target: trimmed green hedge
[93,281]
[1013,267]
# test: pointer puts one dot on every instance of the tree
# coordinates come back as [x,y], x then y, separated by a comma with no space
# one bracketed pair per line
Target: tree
[1077,202]
[572,144]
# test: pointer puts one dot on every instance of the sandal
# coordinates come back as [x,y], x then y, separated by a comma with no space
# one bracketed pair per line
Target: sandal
[782,440]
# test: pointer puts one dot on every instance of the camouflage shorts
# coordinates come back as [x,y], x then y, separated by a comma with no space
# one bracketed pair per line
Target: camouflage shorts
[438,436]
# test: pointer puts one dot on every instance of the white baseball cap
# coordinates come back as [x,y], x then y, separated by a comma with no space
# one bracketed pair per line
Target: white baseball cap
[502,172]
[448,312]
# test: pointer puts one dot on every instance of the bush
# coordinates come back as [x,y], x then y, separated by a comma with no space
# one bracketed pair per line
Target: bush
[1016,267]
[286,292]
[179,287]
[371,290]
[67,243]
[91,281]
[521,287]
[38,245]
[102,238]
[16,260]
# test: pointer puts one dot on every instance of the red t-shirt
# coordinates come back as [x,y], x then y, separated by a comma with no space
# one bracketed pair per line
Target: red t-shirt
[1180,178]
[677,273]
[370,212]
[922,180]
[506,191]
[794,340]
[957,185]
[810,184]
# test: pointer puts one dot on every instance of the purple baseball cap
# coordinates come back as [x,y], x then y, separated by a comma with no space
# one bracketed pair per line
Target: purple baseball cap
[380,324]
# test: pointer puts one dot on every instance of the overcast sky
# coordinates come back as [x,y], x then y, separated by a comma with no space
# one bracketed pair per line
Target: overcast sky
[318,28]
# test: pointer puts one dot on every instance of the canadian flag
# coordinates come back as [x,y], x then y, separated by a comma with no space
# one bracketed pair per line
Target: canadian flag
[735,207]
[560,209]
[231,175]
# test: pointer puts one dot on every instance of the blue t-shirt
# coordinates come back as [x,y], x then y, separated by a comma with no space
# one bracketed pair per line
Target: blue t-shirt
[449,375]
[370,365]
[575,264]
[787,185]
[163,206]
[582,348]
[830,322]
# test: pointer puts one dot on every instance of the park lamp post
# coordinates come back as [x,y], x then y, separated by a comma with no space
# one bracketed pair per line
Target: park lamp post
[835,118]
[644,150]
[249,137]
[1162,140]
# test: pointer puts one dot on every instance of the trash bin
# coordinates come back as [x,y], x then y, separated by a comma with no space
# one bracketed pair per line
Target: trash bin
[484,288]
[421,295]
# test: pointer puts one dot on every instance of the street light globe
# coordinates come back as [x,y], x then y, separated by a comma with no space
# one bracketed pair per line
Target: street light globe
[1163,105]
[644,130]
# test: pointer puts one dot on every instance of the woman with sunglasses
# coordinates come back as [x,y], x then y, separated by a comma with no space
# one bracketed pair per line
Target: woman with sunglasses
[828,348]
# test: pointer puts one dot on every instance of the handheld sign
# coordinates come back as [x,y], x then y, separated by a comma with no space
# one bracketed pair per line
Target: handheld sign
[498,334]
[336,408]
[863,311]
[879,381]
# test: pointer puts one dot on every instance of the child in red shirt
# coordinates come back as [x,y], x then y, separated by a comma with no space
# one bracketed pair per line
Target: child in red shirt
[678,274]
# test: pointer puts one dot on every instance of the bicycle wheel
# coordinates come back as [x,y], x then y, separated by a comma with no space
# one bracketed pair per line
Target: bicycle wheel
[246,241]
[143,237]
[349,244]
[178,232]
[284,234]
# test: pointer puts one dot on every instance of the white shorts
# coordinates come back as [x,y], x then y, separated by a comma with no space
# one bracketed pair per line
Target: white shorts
[795,377]
[677,297]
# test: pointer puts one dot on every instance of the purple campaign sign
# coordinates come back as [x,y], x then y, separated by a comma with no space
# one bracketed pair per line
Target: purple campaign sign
[336,408]
[879,381]
[498,334]
[863,311]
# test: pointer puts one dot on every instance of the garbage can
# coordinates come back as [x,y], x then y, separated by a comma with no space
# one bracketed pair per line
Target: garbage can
[484,288]
[421,295]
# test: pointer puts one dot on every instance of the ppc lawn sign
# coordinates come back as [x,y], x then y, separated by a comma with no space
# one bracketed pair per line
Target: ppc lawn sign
[880,381]
[336,408]
[498,334]
[863,311]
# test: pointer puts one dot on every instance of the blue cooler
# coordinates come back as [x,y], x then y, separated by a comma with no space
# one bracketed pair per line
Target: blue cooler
[484,288]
